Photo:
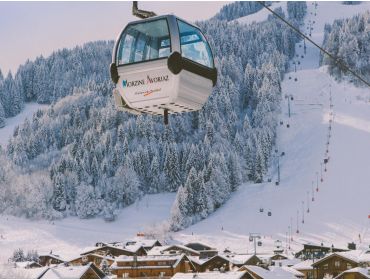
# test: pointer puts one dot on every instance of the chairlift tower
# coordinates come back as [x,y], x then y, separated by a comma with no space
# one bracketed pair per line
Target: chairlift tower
[253,237]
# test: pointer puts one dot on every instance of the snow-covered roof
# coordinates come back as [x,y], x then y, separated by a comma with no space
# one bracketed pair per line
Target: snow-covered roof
[161,250]
[134,242]
[357,256]
[363,271]
[176,258]
[92,254]
[238,259]
[35,273]
[210,275]
[291,270]
[65,272]
[51,256]
[286,262]
[305,265]
[274,272]
[116,246]
[198,243]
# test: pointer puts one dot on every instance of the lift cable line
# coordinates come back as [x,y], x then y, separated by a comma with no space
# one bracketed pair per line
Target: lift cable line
[337,61]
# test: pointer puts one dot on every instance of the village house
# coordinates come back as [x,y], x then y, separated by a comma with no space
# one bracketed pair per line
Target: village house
[316,251]
[92,258]
[116,250]
[257,272]
[238,260]
[212,275]
[306,268]
[160,266]
[49,259]
[355,273]
[88,271]
[335,263]
[173,250]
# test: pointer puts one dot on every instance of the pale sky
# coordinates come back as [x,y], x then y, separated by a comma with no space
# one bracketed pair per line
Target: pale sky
[29,29]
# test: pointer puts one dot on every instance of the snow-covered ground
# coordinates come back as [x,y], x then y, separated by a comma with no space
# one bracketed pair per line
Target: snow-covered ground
[11,123]
[261,15]
[69,236]
[340,211]
[341,207]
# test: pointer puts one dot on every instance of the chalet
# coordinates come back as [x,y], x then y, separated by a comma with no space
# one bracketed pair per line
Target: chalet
[89,271]
[173,250]
[161,266]
[147,244]
[306,268]
[212,275]
[315,251]
[116,250]
[49,259]
[355,273]
[335,263]
[216,263]
[238,260]
[204,250]
[257,272]
[92,258]
[278,257]
[198,246]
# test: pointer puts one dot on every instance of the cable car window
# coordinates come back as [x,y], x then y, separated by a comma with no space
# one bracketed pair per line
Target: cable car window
[193,45]
[144,41]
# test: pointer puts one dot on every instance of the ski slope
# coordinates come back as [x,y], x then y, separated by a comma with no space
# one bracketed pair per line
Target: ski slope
[261,15]
[337,216]
[340,211]
[11,123]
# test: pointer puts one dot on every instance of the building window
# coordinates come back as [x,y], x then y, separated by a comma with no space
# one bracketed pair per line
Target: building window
[126,275]
[309,275]
[349,266]
[325,266]
[337,264]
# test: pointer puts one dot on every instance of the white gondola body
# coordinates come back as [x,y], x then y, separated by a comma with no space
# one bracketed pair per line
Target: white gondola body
[150,87]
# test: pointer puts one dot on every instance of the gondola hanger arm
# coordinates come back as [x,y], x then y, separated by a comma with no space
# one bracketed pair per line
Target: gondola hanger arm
[141,13]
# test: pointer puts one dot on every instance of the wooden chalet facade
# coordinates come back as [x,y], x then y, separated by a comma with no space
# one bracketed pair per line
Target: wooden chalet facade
[162,266]
[49,259]
[312,251]
[92,258]
[306,268]
[355,273]
[333,265]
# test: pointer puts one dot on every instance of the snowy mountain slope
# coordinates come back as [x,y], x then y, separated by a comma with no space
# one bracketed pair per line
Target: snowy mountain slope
[261,15]
[11,123]
[338,214]
[69,236]
[341,207]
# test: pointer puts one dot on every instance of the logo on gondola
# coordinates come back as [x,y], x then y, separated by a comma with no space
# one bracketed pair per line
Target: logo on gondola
[149,80]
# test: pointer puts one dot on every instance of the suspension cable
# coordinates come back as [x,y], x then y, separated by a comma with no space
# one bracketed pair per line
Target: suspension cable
[337,61]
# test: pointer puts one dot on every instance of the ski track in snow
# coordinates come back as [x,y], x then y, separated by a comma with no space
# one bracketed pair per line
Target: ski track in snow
[341,207]
[11,123]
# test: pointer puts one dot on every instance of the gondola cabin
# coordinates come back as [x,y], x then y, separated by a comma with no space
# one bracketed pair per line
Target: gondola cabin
[162,65]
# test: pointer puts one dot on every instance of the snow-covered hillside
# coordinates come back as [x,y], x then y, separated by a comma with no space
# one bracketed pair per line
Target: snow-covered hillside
[262,14]
[11,123]
[339,213]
